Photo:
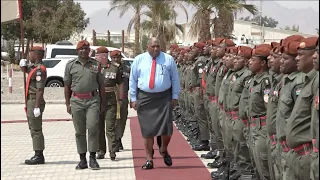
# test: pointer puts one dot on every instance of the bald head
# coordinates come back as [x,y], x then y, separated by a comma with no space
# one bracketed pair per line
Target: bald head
[153,47]
[152,40]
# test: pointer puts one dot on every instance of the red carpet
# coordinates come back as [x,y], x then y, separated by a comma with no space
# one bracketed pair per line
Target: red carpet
[186,164]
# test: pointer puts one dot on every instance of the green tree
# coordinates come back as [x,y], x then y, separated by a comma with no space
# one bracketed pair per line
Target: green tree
[104,42]
[265,21]
[293,28]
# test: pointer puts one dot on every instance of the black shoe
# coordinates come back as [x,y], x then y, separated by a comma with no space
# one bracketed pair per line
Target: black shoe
[210,155]
[82,164]
[201,147]
[166,158]
[93,163]
[120,145]
[235,175]
[100,155]
[112,156]
[217,164]
[36,159]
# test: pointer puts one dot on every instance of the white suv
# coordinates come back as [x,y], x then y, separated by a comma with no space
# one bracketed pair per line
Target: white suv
[55,71]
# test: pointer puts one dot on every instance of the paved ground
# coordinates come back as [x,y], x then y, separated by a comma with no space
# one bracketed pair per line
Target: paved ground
[60,153]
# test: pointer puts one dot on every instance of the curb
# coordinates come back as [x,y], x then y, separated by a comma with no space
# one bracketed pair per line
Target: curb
[22,102]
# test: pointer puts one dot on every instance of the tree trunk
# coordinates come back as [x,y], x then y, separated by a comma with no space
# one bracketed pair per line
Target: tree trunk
[137,49]
[223,25]
[205,33]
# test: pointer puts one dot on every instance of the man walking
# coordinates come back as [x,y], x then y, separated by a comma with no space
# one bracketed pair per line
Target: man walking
[154,88]
[82,79]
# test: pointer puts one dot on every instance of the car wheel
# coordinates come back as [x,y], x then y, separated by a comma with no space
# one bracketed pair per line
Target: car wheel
[55,83]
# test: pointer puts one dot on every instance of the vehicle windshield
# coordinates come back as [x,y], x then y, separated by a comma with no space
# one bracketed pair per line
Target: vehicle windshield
[58,52]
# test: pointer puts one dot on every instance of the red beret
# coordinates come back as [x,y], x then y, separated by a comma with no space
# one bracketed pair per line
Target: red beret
[37,48]
[244,51]
[174,46]
[227,42]
[261,51]
[115,53]
[209,42]
[268,46]
[296,38]
[232,50]
[102,49]
[82,43]
[309,43]
[291,48]
[200,45]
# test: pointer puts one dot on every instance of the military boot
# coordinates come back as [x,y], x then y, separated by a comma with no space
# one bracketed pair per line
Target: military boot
[38,158]
[112,155]
[204,146]
[100,154]
[217,164]
[93,162]
[83,162]
[210,155]
[120,145]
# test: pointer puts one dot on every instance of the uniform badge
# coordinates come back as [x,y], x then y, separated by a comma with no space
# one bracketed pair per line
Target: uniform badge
[225,77]
[233,79]
[276,93]
[38,78]
[251,89]
[266,81]
[298,92]
[200,64]
[316,102]
[38,73]
[200,70]
[205,68]
[266,95]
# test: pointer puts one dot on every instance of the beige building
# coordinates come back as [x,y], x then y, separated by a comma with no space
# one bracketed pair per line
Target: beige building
[254,33]
[115,37]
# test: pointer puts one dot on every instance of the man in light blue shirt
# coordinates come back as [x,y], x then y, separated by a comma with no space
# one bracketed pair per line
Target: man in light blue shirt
[154,88]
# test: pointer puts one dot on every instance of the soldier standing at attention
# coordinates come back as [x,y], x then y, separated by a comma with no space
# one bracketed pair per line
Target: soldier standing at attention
[276,80]
[35,84]
[113,76]
[82,79]
[314,173]
[259,94]
[299,138]
[121,124]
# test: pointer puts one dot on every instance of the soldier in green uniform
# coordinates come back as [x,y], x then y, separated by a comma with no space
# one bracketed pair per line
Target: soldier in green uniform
[298,134]
[276,80]
[197,96]
[107,126]
[314,168]
[35,103]
[121,123]
[292,83]
[82,80]
[259,94]
[237,112]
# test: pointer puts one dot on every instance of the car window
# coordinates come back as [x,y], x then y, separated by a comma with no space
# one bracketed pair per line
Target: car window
[51,63]
[57,51]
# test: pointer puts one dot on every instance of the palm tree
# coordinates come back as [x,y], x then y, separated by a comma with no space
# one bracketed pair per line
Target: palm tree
[124,6]
[224,17]
[161,20]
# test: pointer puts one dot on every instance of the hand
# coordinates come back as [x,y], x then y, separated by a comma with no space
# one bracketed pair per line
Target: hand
[36,112]
[68,108]
[133,105]
[174,103]
[23,63]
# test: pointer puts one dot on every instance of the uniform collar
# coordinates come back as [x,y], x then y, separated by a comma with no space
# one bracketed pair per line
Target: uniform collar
[258,77]
[310,75]
[241,71]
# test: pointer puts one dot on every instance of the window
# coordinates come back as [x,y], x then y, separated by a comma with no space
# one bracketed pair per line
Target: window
[56,52]
[51,63]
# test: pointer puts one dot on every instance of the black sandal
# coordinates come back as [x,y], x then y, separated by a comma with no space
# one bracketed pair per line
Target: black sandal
[166,158]
[148,165]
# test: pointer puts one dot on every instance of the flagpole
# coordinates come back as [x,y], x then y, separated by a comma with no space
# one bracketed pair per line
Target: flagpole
[22,44]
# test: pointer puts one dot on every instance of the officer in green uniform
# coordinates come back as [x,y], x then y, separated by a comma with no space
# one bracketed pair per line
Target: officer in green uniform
[113,76]
[276,80]
[82,80]
[237,85]
[121,123]
[314,168]
[288,94]
[197,96]
[298,134]
[35,103]
[259,94]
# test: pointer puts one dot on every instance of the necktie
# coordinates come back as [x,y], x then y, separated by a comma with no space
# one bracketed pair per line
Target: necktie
[152,74]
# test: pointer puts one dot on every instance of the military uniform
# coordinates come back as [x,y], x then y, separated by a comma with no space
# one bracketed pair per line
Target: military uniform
[113,76]
[121,123]
[314,173]
[273,155]
[36,80]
